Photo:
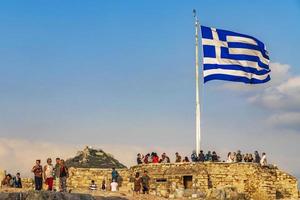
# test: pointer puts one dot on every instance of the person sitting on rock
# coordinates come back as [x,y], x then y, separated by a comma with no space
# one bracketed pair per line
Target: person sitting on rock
[208,156]
[93,186]
[177,158]
[229,157]
[146,158]
[250,157]
[214,157]
[114,185]
[164,158]
[139,159]
[239,157]
[17,181]
[186,159]
[201,156]
[7,181]
[263,160]
[246,157]
[155,158]
[194,157]
[256,157]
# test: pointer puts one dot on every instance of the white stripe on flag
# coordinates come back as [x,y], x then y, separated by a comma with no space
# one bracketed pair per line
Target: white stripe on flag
[234,73]
[224,61]
[251,52]
[240,39]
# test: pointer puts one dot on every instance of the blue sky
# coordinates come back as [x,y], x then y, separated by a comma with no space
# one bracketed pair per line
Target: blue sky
[105,73]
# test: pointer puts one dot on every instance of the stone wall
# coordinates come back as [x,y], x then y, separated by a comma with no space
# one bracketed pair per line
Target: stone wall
[169,179]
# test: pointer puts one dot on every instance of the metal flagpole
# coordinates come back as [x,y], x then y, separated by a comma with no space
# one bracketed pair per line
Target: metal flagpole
[198,130]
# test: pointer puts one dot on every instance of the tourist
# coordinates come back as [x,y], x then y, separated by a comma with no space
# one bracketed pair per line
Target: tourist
[150,158]
[114,174]
[57,174]
[246,157]
[103,185]
[64,174]
[256,157]
[214,157]
[194,157]
[263,160]
[201,157]
[239,157]
[229,157]
[178,157]
[17,181]
[7,181]
[208,156]
[38,175]
[114,185]
[250,157]
[155,158]
[234,156]
[164,158]
[139,159]
[137,183]
[146,158]
[145,182]
[93,186]
[48,174]
[186,159]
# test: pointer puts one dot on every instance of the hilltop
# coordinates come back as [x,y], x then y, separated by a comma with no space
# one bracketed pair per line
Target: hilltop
[93,158]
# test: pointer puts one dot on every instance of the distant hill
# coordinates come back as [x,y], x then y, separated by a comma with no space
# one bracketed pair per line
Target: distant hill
[93,158]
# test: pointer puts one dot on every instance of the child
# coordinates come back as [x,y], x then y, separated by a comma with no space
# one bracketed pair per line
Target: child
[93,186]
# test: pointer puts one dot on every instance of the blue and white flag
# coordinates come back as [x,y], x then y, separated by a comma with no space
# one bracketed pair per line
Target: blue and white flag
[233,56]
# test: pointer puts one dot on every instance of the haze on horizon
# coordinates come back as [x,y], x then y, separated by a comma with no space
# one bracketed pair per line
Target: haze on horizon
[120,76]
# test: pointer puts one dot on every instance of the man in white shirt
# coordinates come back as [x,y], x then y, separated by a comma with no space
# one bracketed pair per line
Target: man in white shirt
[263,160]
[114,186]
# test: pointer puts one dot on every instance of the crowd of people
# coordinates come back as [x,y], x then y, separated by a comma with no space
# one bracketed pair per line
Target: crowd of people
[50,173]
[210,156]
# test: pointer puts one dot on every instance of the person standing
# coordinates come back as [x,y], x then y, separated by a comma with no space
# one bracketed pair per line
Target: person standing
[64,174]
[57,174]
[263,160]
[145,182]
[137,183]
[37,170]
[114,175]
[48,174]
[256,157]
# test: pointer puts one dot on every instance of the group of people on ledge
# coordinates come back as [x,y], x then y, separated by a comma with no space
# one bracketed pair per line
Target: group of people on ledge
[232,157]
[10,181]
[50,173]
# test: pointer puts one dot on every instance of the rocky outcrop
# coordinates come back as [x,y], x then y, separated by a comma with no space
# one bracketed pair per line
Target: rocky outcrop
[94,158]
[43,195]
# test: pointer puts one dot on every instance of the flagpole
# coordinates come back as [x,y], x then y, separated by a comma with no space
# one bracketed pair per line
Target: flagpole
[198,129]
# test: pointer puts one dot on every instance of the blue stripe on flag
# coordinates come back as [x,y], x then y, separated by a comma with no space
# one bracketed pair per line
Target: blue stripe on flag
[248,46]
[226,77]
[236,67]
[225,54]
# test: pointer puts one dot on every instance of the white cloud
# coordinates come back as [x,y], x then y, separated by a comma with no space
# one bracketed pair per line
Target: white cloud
[19,155]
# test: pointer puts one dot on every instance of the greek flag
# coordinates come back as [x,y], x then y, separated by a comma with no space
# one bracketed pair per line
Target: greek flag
[233,56]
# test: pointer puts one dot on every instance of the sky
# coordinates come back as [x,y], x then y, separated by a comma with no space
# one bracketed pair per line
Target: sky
[120,75]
